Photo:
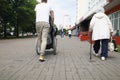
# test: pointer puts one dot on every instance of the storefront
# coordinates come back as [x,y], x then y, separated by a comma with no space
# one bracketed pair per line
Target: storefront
[114,15]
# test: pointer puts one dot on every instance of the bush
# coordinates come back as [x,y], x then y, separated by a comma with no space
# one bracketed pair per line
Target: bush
[119,49]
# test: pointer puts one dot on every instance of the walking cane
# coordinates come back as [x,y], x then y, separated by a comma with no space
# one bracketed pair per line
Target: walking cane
[90,47]
[90,50]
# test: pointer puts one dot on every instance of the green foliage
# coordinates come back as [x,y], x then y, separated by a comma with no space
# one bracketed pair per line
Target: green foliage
[119,49]
[26,16]
[19,14]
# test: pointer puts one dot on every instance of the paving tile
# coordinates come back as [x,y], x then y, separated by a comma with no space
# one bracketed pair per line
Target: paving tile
[20,62]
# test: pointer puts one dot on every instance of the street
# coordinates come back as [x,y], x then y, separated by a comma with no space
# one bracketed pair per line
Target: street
[19,61]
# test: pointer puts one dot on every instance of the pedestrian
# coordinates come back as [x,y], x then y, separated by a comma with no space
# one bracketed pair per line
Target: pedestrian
[101,30]
[69,33]
[62,32]
[33,33]
[42,24]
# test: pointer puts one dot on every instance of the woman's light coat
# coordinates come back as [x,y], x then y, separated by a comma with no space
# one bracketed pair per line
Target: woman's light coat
[100,26]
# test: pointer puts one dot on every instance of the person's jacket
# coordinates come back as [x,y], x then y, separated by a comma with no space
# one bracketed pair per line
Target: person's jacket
[100,26]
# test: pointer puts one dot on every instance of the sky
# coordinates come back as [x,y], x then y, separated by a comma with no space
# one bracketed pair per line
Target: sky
[62,8]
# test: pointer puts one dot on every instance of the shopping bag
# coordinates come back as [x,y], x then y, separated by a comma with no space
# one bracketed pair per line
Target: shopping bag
[111,46]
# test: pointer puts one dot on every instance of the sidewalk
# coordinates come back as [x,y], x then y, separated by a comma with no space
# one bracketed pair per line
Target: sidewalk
[71,62]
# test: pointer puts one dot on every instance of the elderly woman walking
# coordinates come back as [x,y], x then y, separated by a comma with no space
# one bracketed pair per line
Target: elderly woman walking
[101,29]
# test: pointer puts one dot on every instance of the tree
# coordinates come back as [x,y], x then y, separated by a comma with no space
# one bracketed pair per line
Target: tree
[24,15]
[5,14]
[18,14]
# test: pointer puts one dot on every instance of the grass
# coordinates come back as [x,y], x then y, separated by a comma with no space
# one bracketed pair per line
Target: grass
[119,48]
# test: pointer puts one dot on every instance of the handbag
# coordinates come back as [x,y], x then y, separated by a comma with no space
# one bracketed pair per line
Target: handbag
[111,46]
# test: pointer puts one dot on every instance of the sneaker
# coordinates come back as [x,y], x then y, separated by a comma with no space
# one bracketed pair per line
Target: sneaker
[116,49]
[41,58]
[96,54]
[102,58]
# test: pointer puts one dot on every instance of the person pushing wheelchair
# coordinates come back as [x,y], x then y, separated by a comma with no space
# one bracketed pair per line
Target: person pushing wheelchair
[43,11]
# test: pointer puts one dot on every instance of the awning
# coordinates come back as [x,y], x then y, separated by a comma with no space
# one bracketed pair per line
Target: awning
[112,4]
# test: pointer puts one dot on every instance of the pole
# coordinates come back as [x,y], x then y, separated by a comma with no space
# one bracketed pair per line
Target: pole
[91,48]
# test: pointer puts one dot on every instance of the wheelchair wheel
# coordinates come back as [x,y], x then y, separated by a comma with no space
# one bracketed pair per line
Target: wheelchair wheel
[55,46]
[38,46]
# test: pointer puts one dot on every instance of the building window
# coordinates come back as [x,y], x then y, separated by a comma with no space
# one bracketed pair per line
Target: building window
[119,23]
[94,3]
[115,19]
[115,24]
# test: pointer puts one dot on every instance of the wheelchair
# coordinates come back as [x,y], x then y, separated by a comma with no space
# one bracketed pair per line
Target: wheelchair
[51,41]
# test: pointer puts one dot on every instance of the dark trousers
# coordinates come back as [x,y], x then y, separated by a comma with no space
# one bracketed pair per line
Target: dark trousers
[104,47]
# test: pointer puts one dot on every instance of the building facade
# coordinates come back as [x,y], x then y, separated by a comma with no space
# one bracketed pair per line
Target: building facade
[114,15]
[66,21]
[81,9]
[94,3]
[112,9]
